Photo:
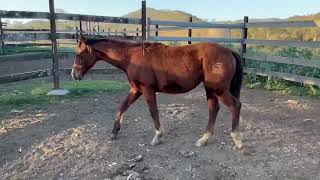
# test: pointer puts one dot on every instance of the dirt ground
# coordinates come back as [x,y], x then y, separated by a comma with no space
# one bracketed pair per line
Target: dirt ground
[71,140]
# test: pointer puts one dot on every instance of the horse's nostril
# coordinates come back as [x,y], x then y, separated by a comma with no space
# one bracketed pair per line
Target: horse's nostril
[74,77]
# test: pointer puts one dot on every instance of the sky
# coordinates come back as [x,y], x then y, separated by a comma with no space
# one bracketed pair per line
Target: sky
[205,9]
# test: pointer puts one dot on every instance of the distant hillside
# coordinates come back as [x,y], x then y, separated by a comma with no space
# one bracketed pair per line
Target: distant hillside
[292,18]
[301,34]
[165,15]
[304,18]
[174,15]
[169,15]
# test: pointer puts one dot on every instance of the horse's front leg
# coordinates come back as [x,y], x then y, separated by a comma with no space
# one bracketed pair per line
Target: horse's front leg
[150,96]
[130,99]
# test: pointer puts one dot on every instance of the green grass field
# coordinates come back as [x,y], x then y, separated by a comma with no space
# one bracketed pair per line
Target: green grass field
[283,86]
[20,49]
[34,95]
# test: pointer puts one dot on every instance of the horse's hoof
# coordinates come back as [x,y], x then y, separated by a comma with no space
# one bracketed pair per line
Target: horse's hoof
[203,140]
[114,137]
[238,147]
[156,141]
[237,140]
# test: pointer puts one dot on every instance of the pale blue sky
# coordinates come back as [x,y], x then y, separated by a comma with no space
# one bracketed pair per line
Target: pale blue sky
[206,9]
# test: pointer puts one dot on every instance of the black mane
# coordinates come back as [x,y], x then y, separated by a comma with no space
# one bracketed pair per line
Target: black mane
[125,42]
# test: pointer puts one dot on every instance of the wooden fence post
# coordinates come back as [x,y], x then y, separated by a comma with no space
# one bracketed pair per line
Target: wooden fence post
[80,26]
[148,29]
[143,19]
[77,34]
[54,45]
[243,48]
[87,27]
[1,38]
[157,32]
[90,30]
[190,30]
[98,28]
[94,30]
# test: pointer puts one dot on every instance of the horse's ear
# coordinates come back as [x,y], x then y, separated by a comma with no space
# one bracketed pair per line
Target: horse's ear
[82,38]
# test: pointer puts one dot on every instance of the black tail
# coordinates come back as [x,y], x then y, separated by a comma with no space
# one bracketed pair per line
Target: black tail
[235,85]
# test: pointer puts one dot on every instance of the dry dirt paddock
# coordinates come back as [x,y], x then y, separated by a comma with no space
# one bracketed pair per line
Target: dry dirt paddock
[71,140]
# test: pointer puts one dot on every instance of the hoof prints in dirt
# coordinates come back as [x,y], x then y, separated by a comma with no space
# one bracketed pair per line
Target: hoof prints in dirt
[172,111]
[73,152]
[125,171]
[285,141]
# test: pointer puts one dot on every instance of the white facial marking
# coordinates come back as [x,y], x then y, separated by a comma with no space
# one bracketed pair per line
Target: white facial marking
[72,75]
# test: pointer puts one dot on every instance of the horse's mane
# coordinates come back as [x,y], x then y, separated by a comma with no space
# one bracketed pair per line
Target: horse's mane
[124,42]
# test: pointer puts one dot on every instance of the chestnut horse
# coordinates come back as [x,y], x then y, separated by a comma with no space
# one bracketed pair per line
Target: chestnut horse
[153,67]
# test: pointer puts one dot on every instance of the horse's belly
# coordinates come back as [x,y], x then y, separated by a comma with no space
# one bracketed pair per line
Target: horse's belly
[176,88]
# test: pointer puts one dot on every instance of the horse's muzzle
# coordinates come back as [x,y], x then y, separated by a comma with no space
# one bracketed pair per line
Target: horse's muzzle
[76,75]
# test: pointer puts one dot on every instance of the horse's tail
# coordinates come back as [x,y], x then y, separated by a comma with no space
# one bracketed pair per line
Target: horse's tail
[236,81]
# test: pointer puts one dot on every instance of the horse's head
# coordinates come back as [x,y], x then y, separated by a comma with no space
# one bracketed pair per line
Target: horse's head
[85,59]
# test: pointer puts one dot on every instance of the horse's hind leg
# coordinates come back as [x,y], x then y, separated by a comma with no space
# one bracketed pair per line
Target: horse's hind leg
[213,107]
[234,106]
[150,97]
[130,99]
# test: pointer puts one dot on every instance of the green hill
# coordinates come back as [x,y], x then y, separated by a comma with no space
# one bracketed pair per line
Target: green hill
[307,34]
[164,15]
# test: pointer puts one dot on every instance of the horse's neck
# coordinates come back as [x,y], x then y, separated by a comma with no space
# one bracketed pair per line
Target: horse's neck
[115,57]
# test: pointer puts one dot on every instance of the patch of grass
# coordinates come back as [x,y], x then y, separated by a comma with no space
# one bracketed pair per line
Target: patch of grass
[286,87]
[21,49]
[35,95]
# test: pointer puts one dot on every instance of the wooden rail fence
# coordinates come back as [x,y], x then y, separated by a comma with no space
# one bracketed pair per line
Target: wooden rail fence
[146,33]
[51,34]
